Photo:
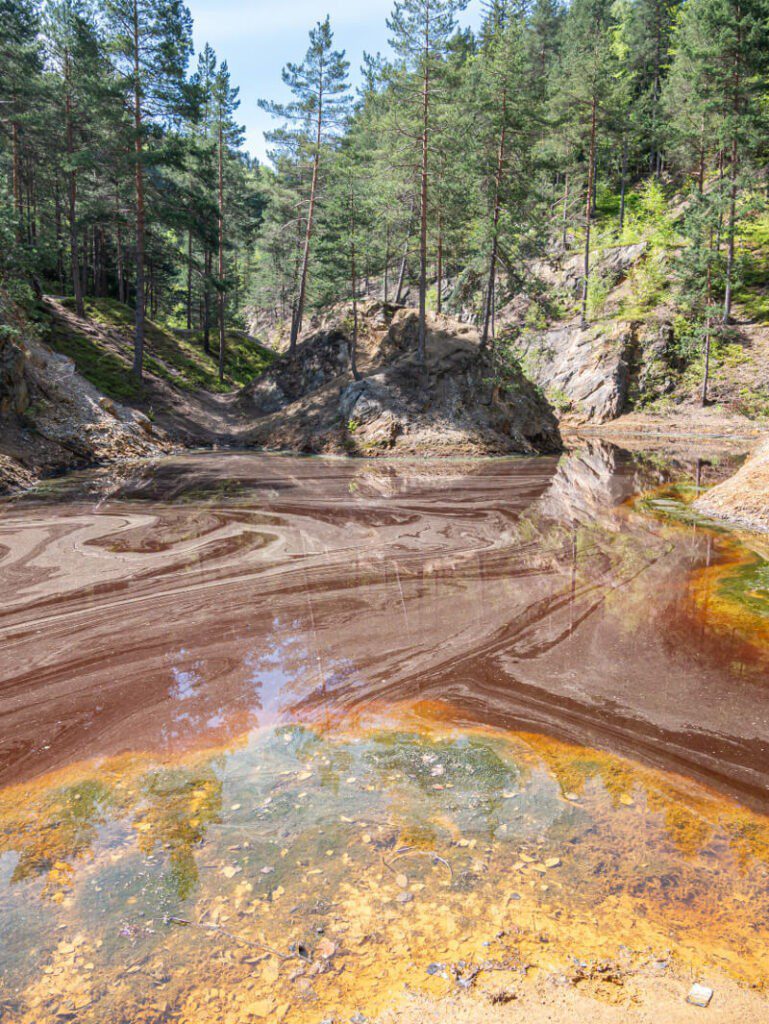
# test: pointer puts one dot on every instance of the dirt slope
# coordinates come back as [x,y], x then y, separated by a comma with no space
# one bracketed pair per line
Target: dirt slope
[743,498]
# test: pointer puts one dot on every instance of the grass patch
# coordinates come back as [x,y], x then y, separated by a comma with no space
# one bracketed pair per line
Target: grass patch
[753,253]
[178,359]
[103,368]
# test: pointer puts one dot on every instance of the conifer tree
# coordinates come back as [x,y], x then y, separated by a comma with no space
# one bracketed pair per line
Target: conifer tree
[151,43]
[74,53]
[584,96]
[318,111]
[20,87]
[725,47]
[420,31]
[228,135]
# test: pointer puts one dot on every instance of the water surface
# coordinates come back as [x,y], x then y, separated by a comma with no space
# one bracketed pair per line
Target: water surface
[279,735]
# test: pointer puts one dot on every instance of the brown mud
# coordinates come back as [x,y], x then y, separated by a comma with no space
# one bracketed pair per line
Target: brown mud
[300,739]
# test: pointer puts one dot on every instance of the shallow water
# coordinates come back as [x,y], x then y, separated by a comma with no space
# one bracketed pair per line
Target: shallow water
[279,735]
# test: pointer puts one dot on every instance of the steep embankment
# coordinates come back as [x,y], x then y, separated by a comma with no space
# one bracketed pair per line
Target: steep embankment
[633,369]
[73,401]
[743,499]
[52,418]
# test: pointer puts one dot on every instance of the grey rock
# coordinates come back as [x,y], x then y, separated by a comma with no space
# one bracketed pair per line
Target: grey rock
[584,370]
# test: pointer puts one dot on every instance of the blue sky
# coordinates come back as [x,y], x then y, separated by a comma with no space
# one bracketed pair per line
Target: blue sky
[258,38]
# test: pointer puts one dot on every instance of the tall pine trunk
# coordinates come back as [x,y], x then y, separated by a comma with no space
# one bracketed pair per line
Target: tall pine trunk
[622,185]
[220,290]
[121,288]
[16,161]
[423,194]
[189,280]
[296,323]
[589,209]
[354,290]
[72,190]
[405,256]
[386,264]
[730,233]
[706,370]
[439,285]
[207,302]
[138,364]
[491,284]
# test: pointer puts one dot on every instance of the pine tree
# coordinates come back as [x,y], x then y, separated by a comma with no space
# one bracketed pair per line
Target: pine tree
[727,59]
[74,53]
[420,31]
[151,43]
[584,96]
[505,105]
[318,111]
[228,135]
[20,87]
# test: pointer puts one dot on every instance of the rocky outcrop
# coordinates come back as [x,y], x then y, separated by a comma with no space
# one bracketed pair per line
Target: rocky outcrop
[14,393]
[566,272]
[320,358]
[52,419]
[454,403]
[585,371]
[743,499]
[13,476]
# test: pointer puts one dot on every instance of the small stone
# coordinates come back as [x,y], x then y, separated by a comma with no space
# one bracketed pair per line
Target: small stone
[553,862]
[402,881]
[434,968]
[699,995]
[325,949]
[404,897]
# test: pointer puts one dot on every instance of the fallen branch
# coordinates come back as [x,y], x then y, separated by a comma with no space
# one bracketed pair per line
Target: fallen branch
[231,935]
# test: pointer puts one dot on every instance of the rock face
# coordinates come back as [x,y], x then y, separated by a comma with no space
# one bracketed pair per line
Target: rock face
[585,371]
[52,419]
[596,373]
[743,499]
[566,273]
[14,394]
[451,404]
[322,358]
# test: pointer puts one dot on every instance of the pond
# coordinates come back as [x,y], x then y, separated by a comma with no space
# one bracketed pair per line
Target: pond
[280,736]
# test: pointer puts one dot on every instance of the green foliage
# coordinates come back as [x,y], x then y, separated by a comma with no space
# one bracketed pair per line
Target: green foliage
[171,356]
[647,216]
[669,99]
[597,294]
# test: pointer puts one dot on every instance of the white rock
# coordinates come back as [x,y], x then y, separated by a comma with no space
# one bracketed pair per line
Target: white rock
[699,995]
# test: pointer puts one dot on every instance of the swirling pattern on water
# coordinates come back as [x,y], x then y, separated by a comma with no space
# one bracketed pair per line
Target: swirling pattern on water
[214,592]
